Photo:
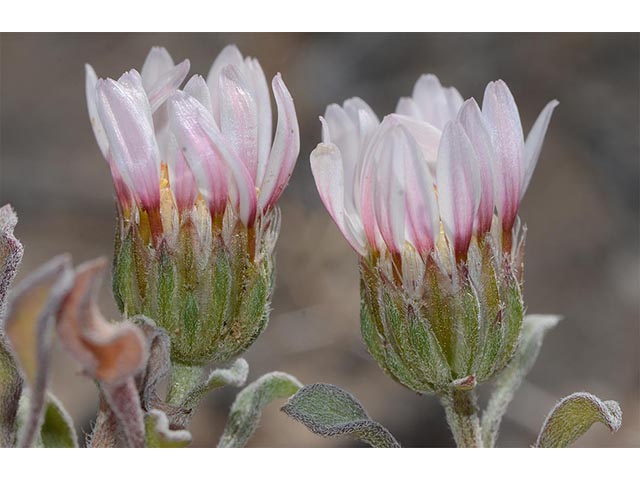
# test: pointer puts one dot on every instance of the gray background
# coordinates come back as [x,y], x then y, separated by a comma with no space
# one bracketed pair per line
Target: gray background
[581,208]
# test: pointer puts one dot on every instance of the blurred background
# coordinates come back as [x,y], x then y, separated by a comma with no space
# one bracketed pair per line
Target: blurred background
[581,209]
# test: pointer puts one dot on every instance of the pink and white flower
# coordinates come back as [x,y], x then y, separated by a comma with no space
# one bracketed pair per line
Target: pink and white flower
[438,163]
[223,128]
[212,140]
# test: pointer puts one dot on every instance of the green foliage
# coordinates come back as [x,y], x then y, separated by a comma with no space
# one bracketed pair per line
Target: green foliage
[574,415]
[247,408]
[330,411]
[509,380]
[57,429]
[159,435]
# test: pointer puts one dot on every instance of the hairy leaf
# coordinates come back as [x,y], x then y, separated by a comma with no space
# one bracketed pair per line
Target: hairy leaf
[573,416]
[158,434]
[235,375]
[247,408]
[110,353]
[10,390]
[11,252]
[507,383]
[158,363]
[57,429]
[107,352]
[31,314]
[330,411]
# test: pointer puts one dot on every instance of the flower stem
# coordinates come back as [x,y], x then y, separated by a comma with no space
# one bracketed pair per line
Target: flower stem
[184,378]
[461,408]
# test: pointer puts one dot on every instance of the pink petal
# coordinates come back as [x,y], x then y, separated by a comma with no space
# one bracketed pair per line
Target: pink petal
[181,179]
[327,169]
[166,84]
[535,139]
[239,117]
[426,136]
[458,183]
[119,185]
[217,169]
[423,219]
[90,90]
[471,119]
[501,112]
[389,188]
[285,149]
[157,63]
[350,128]
[204,160]
[126,117]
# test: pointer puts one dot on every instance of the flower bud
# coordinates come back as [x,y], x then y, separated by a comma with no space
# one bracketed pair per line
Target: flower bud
[429,198]
[197,177]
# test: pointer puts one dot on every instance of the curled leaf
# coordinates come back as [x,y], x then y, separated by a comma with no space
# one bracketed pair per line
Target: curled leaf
[330,411]
[158,434]
[158,363]
[573,416]
[110,353]
[31,314]
[235,376]
[247,408]
[534,328]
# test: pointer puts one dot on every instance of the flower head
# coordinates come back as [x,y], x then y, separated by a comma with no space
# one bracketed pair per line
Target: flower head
[429,197]
[197,175]
[438,160]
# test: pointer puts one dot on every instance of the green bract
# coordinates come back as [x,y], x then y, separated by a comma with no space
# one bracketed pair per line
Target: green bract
[208,287]
[453,325]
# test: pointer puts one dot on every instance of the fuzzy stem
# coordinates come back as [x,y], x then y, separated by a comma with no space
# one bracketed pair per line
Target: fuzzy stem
[461,408]
[184,378]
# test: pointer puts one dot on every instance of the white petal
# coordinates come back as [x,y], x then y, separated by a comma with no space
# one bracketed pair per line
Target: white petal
[230,55]
[474,124]
[157,63]
[239,117]
[501,112]
[90,90]
[326,166]
[408,107]
[197,133]
[167,83]
[458,183]
[186,116]
[423,219]
[430,98]
[125,115]
[390,190]
[426,136]
[454,101]
[535,139]
[285,149]
[198,89]
[263,103]
[355,106]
